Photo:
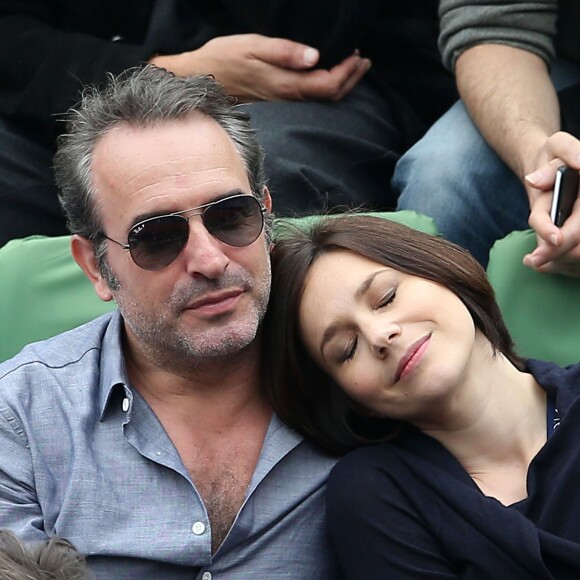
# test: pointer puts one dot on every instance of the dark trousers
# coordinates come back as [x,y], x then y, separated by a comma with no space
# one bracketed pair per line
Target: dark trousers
[28,194]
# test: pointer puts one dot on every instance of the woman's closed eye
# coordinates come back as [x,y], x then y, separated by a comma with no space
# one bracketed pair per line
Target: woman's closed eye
[387,299]
[349,350]
[350,347]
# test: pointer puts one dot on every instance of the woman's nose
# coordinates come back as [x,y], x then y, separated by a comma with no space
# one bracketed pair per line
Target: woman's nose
[382,336]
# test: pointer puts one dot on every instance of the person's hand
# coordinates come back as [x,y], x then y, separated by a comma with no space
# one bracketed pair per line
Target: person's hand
[259,68]
[558,249]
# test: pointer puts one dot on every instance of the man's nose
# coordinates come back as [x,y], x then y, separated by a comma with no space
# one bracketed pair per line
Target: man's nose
[203,253]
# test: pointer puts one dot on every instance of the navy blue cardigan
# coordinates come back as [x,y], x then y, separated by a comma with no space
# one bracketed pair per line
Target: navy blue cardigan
[408,509]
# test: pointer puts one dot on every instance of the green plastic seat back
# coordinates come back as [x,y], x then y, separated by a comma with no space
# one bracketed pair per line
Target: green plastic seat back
[542,311]
[405,217]
[42,292]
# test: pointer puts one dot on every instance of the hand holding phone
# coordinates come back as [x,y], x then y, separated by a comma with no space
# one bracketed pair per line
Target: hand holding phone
[565,194]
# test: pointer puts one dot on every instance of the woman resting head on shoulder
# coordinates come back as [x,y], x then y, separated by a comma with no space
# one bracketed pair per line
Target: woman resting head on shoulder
[382,334]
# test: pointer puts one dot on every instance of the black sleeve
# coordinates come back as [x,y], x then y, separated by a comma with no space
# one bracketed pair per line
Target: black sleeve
[334,27]
[43,66]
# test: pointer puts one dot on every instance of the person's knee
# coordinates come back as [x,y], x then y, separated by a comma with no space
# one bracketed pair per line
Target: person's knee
[324,155]
[428,181]
[451,147]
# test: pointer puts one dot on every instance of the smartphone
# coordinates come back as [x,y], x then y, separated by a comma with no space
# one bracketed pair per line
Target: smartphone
[565,194]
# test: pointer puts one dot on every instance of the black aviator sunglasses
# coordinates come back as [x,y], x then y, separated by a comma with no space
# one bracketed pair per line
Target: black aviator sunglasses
[154,243]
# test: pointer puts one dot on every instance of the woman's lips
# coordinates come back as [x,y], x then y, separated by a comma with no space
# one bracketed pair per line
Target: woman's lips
[412,357]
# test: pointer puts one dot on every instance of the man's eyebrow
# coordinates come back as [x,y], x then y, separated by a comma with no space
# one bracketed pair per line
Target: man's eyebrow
[154,214]
[333,328]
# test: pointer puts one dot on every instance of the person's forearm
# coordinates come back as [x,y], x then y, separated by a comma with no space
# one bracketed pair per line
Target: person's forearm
[511,99]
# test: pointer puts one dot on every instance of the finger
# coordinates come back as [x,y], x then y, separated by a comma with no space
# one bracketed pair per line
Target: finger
[564,254]
[563,149]
[354,79]
[329,84]
[543,177]
[566,147]
[543,254]
[285,53]
[559,266]
[541,222]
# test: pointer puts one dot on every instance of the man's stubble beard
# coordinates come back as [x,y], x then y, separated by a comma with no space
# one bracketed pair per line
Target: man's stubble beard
[168,344]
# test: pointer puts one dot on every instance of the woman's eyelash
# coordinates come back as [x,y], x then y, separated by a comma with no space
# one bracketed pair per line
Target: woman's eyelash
[351,347]
[350,350]
[387,299]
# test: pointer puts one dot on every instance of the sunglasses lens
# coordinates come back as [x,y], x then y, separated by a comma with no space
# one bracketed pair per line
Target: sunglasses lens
[237,221]
[155,243]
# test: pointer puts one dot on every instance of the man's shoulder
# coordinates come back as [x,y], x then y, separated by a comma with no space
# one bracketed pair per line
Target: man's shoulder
[59,354]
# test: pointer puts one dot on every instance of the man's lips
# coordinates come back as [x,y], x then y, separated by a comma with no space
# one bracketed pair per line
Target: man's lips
[412,357]
[216,302]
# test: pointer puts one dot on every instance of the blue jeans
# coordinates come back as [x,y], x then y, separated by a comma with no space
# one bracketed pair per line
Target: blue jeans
[453,176]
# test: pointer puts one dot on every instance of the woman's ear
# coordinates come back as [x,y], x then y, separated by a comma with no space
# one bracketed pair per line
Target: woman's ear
[83,253]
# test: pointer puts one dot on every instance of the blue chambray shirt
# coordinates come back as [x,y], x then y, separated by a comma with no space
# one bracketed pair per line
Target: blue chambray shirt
[83,456]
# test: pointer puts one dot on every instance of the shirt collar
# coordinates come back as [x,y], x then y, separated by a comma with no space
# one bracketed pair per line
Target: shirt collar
[112,364]
[279,439]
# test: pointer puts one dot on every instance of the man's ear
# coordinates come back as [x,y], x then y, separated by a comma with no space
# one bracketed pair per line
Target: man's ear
[267,198]
[268,204]
[84,255]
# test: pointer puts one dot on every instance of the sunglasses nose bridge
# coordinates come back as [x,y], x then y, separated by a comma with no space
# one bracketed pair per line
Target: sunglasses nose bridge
[192,213]
[203,252]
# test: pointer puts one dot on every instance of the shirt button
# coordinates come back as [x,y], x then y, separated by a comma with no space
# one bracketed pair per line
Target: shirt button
[125,404]
[206,576]
[198,528]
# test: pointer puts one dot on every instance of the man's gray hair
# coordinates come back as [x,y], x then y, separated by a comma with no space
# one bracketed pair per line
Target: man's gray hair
[142,97]
[53,559]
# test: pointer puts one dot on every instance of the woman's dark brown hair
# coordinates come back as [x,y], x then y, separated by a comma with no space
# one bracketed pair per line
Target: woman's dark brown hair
[305,397]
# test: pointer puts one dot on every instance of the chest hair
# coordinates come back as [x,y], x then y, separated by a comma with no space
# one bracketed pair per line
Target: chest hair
[222,476]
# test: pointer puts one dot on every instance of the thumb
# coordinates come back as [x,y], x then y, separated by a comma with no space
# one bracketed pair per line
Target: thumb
[289,54]
[543,177]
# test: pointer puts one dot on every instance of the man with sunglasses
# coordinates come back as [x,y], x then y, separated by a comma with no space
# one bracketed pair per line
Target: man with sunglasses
[145,437]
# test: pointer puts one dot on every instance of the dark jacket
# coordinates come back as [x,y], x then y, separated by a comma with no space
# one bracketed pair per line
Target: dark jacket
[50,48]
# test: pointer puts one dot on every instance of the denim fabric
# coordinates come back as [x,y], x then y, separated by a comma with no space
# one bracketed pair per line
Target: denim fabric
[84,456]
[322,155]
[453,176]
